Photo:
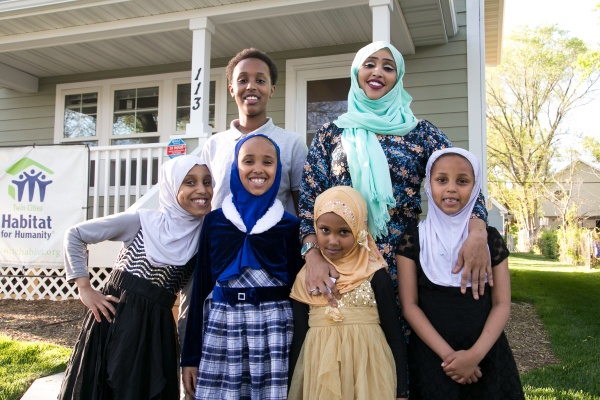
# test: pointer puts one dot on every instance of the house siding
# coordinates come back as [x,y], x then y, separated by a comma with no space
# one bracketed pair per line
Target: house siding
[27,119]
[436,78]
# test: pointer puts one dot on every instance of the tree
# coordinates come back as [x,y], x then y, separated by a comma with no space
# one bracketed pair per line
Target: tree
[544,75]
[592,148]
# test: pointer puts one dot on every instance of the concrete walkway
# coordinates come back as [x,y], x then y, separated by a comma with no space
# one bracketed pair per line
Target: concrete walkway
[45,388]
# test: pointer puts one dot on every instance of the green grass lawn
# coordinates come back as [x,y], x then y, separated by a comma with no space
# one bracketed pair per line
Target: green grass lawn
[568,303]
[23,362]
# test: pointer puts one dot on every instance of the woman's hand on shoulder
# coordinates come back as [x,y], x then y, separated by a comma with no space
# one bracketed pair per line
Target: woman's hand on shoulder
[318,277]
[474,259]
[96,301]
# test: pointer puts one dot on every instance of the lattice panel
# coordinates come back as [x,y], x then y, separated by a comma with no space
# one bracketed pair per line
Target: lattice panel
[43,283]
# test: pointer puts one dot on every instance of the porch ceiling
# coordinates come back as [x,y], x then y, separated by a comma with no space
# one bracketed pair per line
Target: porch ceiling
[61,37]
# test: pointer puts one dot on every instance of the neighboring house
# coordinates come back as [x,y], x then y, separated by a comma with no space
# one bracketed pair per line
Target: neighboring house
[578,185]
[498,216]
[128,76]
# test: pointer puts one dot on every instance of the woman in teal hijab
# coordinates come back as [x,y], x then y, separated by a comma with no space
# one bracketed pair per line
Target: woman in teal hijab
[388,114]
[381,149]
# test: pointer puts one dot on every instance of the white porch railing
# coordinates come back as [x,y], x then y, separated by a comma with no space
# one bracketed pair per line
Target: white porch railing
[121,175]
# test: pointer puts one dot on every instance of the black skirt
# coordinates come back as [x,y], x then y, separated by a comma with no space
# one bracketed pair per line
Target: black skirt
[134,357]
[459,319]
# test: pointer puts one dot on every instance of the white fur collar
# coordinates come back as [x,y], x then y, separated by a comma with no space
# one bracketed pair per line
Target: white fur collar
[266,222]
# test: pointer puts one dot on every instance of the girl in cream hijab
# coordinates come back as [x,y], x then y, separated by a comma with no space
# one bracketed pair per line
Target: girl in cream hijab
[356,350]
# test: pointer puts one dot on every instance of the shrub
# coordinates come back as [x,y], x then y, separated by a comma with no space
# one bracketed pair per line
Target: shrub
[548,243]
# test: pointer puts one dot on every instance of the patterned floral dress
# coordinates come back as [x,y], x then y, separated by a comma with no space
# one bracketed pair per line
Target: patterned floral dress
[326,166]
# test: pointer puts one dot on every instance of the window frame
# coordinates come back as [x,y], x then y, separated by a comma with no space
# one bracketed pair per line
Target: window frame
[60,117]
[132,85]
[167,104]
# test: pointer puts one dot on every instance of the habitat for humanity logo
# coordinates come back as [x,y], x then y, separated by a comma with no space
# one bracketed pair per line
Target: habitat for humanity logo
[30,176]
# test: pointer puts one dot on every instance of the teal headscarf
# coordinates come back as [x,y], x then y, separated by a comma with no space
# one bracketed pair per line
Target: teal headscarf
[388,115]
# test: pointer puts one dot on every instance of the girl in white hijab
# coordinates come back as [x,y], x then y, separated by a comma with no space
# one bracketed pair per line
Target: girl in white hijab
[128,346]
[458,349]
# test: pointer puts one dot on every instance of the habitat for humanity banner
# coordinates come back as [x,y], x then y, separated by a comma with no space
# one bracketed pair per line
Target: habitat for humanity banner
[43,192]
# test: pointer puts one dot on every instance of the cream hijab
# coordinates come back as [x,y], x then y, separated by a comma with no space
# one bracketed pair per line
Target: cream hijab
[361,261]
[171,234]
[441,235]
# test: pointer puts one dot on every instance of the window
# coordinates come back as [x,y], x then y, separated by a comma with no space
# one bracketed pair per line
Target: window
[561,195]
[133,110]
[183,105]
[326,100]
[80,116]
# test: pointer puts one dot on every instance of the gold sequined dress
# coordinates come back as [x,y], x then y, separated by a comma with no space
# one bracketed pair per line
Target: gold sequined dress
[346,355]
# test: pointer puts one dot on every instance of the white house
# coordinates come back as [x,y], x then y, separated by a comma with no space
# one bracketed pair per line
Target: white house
[498,215]
[128,76]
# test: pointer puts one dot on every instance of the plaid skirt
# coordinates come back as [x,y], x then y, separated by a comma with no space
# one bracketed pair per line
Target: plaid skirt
[245,351]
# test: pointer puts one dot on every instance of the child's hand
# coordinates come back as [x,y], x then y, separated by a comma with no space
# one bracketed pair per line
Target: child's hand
[95,301]
[462,367]
[189,375]
[475,377]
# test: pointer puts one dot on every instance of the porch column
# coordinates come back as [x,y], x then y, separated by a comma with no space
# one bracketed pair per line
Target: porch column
[202,29]
[382,10]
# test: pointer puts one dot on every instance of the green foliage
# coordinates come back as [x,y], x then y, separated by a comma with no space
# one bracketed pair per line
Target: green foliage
[21,363]
[592,147]
[567,303]
[548,243]
[571,241]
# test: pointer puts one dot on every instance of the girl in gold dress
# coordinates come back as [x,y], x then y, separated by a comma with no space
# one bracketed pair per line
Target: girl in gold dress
[355,350]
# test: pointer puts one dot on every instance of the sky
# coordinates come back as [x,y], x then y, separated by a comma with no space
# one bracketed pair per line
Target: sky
[575,16]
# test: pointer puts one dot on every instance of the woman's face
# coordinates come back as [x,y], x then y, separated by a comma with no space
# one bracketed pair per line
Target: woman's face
[377,74]
[257,165]
[196,191]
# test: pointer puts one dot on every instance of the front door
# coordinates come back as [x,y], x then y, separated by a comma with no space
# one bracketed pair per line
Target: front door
[316,92]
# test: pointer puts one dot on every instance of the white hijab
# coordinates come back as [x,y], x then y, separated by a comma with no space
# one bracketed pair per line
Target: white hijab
[171,234]
[441,235]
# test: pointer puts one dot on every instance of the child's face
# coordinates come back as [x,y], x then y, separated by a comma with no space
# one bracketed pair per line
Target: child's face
[196,191]
[377,75]
[257,165]
[334,236]
[251,87]
[452,181]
